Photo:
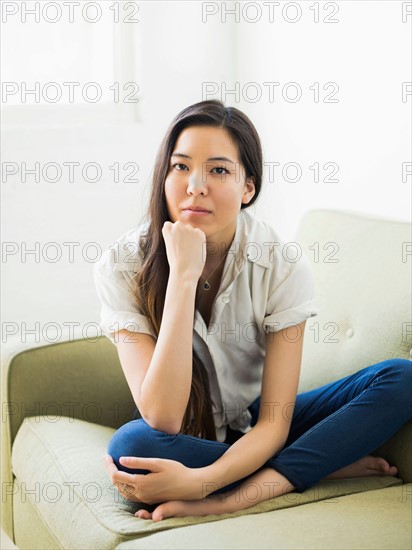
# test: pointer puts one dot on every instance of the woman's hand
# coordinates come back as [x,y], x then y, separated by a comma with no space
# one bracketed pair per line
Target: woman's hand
[185,248]
[228,502]
[168,480]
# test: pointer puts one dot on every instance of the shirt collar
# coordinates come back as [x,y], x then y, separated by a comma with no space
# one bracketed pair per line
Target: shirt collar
[251,234]
[126,251]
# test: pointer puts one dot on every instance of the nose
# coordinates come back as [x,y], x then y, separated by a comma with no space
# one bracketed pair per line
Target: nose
[196,184]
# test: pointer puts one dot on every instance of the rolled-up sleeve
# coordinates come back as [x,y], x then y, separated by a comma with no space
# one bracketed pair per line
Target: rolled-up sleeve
[118,305]
[293,300]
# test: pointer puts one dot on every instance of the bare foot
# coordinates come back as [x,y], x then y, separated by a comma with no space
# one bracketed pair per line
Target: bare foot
[366,466]
[265,484]
[177,509]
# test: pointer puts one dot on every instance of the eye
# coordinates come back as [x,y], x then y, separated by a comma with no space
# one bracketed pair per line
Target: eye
[221,168]
[178,164]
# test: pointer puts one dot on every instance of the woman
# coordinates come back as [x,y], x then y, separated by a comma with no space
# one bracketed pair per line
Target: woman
[208,315]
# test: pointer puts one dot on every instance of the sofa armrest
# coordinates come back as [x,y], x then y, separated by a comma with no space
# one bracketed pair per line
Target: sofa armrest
[80,379]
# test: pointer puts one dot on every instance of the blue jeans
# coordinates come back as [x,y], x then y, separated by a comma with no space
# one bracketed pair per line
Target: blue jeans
[331,427]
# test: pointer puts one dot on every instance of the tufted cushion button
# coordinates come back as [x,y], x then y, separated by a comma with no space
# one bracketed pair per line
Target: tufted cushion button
[349,332]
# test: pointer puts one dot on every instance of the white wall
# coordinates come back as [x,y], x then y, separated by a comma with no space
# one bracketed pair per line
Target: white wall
[179,52]
[367,133]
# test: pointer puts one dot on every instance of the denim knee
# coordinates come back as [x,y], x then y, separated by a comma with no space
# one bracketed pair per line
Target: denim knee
[137,438]
[401,370]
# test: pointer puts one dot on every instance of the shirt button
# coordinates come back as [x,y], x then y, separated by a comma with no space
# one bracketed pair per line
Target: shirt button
[226,299]
[349,332]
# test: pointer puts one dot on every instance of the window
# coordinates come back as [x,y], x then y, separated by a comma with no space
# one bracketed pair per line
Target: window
[68,62]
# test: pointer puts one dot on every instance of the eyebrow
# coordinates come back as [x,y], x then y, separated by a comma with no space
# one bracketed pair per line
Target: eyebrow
[212,158]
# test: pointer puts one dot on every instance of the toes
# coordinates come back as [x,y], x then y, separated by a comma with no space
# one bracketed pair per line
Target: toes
[167,510]
[162,512]
[143,514]
[384,466]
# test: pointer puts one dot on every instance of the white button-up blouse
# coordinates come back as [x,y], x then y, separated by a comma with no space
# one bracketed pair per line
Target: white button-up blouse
[267,285]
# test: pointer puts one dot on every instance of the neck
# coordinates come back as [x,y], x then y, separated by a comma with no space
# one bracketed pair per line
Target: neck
[212,261]
[217,251]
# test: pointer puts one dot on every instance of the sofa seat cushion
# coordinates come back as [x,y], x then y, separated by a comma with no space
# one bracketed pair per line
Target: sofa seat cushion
[59,468]
[369,520]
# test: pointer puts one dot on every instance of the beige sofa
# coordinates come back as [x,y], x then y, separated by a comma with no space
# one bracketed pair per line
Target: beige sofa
[61,403]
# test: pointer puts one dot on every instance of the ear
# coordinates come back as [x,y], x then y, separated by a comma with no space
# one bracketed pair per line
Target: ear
[249,190]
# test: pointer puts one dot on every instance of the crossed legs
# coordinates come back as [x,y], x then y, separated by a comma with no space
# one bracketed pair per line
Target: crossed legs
[333,430]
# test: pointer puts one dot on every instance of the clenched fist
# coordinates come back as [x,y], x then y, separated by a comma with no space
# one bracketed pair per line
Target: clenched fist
[185,248]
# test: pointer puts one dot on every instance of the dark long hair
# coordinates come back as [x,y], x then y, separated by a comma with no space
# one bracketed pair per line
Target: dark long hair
[151,280]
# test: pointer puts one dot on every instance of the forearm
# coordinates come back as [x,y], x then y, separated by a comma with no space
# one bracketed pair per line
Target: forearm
[266,484]
[243,458]
[166,387]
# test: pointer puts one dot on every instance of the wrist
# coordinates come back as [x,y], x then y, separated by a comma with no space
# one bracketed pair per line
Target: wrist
[185,278]
[204,482]
[195,484]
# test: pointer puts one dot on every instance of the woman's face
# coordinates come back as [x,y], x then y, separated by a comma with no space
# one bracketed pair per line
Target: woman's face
[205,171]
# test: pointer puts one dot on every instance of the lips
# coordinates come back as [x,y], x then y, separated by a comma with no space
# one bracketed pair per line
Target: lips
[196,209]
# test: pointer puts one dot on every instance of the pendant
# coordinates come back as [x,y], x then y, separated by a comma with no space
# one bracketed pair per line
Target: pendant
[206,286]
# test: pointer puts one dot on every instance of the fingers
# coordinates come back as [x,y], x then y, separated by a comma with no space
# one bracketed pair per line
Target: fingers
[125,479]
[125,483]
[167,226]
[118,476]
[109,464]
[152,464]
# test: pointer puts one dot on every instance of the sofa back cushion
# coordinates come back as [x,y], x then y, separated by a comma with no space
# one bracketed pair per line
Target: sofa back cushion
[362,271]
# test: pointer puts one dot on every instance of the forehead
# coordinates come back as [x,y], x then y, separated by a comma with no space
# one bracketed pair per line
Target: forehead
[206,141]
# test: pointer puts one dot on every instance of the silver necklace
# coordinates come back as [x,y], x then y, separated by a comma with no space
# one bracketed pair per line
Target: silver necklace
[206,284]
